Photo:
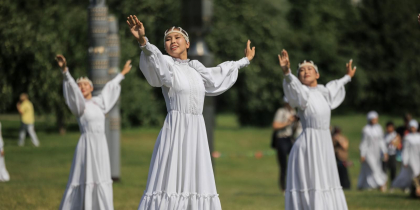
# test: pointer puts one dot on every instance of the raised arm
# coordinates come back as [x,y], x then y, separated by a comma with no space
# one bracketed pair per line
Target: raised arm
[336,89]
[111,91]
[219,79]
[296,93]
[153,64]
[72,94]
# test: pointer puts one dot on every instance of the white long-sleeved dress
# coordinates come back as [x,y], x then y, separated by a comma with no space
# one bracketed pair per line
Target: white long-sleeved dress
[372,147]
[90,184]
[312,176]
[411,159]
[4,174]
[181,174]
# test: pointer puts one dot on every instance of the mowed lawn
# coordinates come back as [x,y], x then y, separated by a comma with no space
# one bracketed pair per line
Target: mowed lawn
[39,175]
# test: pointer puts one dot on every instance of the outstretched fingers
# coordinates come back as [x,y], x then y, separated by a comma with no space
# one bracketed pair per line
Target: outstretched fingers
[128,63]
[248,45]
[138,22]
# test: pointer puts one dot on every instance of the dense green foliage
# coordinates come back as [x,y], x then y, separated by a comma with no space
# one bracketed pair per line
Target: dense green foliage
[380,35]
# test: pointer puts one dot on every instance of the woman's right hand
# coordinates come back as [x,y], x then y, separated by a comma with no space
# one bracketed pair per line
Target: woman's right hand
[137,29]
[284,62]
[62,63]
[362,159]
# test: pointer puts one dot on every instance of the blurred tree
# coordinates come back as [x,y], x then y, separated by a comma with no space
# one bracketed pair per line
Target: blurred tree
[258,91]
[32,33]
[387,37]
[380,35]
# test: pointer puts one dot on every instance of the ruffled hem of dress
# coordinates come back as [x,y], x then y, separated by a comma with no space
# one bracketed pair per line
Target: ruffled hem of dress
[91,195]
[161,200]
[316,199]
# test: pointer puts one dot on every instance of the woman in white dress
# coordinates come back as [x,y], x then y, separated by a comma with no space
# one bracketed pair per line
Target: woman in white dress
[372,150]
[181,174]
[410,158]
[90,185]
[4,175]
[312,175]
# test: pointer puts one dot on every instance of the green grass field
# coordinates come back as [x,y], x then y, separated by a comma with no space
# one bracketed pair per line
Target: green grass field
[39,175]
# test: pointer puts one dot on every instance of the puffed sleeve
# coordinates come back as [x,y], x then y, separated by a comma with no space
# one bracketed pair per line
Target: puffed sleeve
[219,79]
[295,91]
[109,94]
[72,95]
[337,92]
[155,67]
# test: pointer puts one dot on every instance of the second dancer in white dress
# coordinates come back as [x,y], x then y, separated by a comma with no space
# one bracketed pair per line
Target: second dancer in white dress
[312,175]
[90,185]
[181,174]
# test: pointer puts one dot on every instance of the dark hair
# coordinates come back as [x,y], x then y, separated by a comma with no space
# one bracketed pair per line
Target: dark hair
[389,123]
[183,31]
[407,117]
[336,130]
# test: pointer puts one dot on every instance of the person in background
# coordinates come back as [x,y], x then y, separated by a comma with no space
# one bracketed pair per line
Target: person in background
[4,175]
[27,117]
[89,185]
[392,141]
[372,147]
[282,139]
[410,158]
[402,131]
[341,146]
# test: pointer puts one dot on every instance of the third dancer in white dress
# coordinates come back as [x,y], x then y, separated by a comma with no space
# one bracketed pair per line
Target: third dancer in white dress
[312,176]
[181,174]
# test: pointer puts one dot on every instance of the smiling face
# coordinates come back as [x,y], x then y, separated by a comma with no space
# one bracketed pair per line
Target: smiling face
[86,89]
[176,45]
[308,75]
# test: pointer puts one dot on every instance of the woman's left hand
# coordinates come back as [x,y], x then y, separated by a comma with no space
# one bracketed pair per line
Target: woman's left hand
[350,71]
[249,53]
[127,68]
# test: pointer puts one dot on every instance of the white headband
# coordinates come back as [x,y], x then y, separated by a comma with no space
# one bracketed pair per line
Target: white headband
[179,31]
[413,123]
[84,79]
[310,63]
[372,115]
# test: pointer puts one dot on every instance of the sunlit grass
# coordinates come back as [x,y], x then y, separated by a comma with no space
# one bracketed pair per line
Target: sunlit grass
[39,175]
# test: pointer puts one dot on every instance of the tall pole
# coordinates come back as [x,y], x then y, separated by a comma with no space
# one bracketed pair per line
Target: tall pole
[113,116]
[197,20]
[98,34]
[101,69]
